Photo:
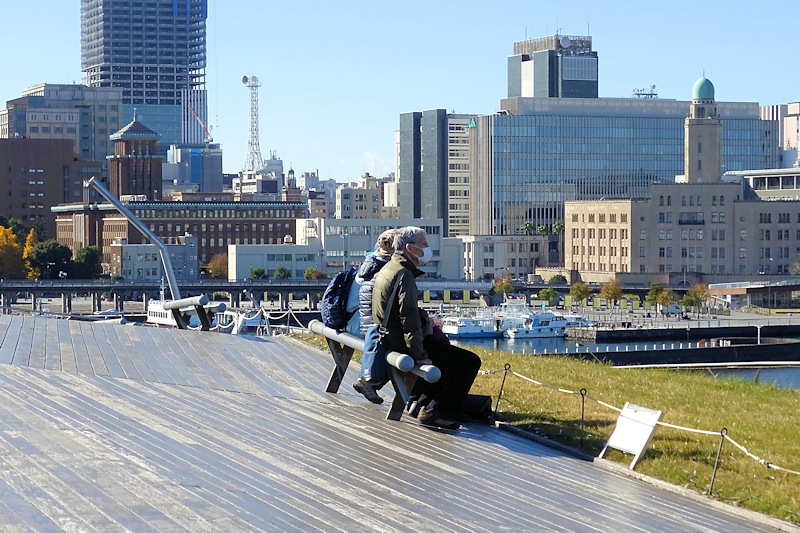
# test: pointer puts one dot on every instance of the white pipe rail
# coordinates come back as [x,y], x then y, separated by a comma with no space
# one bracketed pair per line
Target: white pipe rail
[400,361]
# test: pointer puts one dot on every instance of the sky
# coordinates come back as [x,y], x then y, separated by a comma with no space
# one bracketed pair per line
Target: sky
[336,75]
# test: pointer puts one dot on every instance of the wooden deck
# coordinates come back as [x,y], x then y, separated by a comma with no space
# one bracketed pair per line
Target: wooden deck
[126,428]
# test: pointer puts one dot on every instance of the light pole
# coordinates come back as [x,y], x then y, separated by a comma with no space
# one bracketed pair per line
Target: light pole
[769,288]
[344,248]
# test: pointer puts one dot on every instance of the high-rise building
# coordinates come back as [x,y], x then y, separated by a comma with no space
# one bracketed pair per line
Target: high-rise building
[557,66]
[155,51]
[433,167]
[538,152]
[700,228]
[84,115]
[41,173]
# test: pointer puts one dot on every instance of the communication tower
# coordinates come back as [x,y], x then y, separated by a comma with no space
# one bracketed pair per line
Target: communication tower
[253,161]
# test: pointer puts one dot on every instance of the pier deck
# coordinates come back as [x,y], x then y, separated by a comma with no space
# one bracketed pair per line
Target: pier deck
[127,428]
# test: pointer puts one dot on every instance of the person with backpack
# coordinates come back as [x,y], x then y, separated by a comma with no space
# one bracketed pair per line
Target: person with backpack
[365,278]
[442,403]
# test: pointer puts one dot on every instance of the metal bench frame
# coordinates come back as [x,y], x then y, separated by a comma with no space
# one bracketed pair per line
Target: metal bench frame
[342,345]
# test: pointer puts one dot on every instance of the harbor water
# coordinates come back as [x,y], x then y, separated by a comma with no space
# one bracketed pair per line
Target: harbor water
[787,377]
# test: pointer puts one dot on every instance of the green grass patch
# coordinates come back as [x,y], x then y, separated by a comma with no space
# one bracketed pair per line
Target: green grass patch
[761,417]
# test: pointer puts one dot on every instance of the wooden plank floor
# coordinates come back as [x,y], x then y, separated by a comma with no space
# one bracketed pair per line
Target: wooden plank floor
[127,428]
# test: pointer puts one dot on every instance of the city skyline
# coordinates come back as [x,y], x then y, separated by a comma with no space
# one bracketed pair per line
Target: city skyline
[335,79]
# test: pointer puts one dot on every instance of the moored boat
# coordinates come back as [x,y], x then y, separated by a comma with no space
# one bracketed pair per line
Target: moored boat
[472,327]
[539,326]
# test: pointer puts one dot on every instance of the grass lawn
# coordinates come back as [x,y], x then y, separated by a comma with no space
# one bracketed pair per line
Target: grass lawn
[762,418]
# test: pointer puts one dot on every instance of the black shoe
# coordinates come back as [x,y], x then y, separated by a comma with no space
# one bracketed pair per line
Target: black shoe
[433,417]
[368,391]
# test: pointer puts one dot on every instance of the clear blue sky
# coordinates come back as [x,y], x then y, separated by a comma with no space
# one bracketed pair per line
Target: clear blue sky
[336,75]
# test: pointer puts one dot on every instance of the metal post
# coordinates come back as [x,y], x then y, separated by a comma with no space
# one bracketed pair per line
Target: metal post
[506,367]
[583,406]
[722,432]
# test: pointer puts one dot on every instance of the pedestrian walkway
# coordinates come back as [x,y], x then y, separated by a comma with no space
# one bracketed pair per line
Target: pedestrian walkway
[111,428]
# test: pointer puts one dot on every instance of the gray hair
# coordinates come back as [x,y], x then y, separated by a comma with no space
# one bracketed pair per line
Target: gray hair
[406,235]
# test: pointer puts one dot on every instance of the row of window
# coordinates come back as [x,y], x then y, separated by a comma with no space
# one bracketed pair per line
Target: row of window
[691,200]
[601,217]
[216,213]
[612,250]
[591,233]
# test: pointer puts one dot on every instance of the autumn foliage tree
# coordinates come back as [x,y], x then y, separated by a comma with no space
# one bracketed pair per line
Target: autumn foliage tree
[611,291]
[580,291]
[218,266]
[503,285]
[11,263]
[33,272]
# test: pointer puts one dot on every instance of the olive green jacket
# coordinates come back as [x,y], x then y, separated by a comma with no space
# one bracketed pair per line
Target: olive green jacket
[404,327]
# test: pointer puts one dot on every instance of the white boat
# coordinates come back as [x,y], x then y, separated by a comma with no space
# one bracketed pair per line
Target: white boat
[472,327]
[539,326]
[577,321]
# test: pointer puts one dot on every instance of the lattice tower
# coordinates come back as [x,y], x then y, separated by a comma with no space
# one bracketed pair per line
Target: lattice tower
[253,160]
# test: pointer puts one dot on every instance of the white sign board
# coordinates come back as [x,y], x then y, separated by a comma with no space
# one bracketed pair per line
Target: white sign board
[635,427]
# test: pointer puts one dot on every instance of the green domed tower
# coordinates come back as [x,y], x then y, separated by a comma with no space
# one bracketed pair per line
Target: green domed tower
[703,136]
[703,89]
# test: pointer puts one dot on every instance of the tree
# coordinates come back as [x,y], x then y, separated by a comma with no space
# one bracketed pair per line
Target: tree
[611,291]
[580,291]
[543,229]
[558,279]
[528,227]
[696,295]
[41,229]
[282,273]
[12,265]
[218,266]
[503,285]
[88,263]
[558,229]
[548,294]
[19,228]
[666,298]
[314,273]
[258,273]
[652,294]
[30,243]
[51,258]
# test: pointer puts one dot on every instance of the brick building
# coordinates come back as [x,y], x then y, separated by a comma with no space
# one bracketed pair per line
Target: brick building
[215,224]
[39,174]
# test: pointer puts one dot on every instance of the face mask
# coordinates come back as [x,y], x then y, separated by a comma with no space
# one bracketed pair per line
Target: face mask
[427,253]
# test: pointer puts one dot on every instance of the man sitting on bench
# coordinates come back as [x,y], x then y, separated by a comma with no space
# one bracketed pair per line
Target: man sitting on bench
[442,402]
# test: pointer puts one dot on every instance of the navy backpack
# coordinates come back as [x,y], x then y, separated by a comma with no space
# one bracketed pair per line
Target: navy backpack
[334,301]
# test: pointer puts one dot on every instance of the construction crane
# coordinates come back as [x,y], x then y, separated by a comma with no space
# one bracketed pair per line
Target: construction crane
[209,139]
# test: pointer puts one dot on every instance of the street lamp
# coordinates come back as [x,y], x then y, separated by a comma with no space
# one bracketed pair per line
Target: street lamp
[345,242]
[769,288]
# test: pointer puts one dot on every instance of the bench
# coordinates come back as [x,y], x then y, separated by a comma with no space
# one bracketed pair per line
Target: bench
[402,370]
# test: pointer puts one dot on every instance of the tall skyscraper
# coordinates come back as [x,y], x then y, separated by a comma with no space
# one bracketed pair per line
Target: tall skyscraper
[556,66]
[155,50]
[433,166]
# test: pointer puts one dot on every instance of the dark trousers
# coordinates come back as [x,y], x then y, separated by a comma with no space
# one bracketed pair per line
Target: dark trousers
[459,368]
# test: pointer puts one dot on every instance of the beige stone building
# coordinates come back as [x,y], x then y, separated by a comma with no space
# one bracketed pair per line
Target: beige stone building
[363,201]
[700,226]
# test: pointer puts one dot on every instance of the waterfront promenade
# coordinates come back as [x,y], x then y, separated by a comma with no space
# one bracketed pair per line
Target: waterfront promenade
[120,427]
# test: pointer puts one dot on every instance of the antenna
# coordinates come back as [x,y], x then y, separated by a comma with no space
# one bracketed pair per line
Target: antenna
[253,160]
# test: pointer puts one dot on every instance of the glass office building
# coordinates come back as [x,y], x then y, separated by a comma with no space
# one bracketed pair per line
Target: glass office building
[155,51]
[537,153]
